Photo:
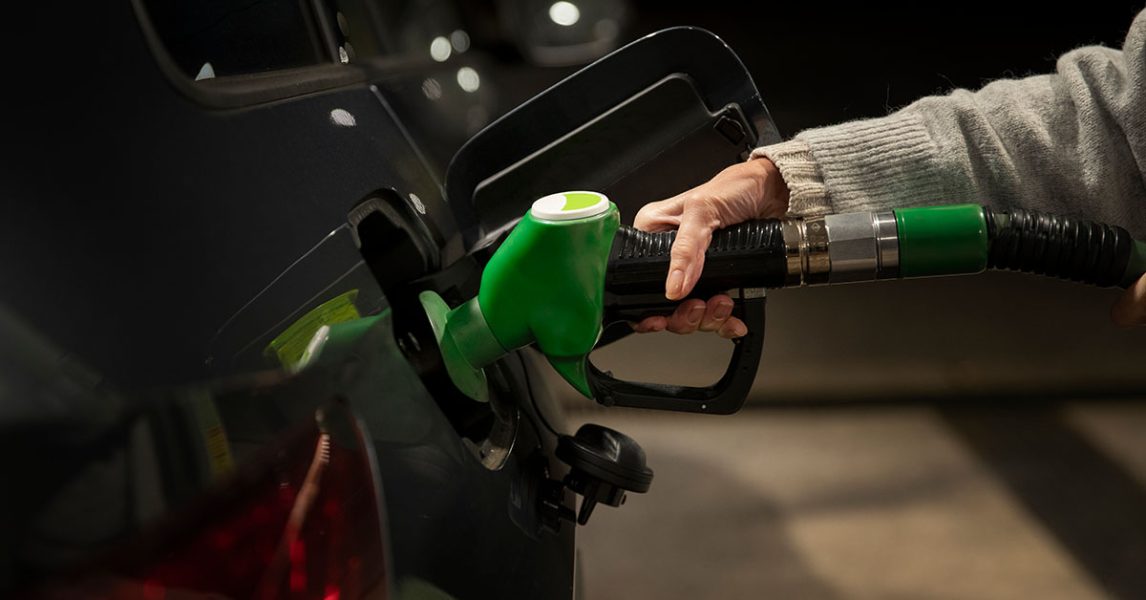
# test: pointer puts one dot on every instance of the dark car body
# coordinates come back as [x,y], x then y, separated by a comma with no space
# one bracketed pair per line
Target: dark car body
[185,228]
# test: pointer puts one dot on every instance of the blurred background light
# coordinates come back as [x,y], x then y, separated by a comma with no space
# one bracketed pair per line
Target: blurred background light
[440,49]
[468,79]
[460,41]
[564,13]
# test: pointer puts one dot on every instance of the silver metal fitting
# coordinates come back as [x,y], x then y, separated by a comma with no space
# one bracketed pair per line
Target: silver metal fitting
[817,260]
[806,247]
[843,248]
[793,232]
[747,293]
[864,246]
[887,244]
[852,247]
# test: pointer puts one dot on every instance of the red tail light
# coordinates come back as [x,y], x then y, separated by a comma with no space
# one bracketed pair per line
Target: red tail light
[301,521]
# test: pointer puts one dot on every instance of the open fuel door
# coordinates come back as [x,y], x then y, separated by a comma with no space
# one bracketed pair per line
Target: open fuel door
[646,122]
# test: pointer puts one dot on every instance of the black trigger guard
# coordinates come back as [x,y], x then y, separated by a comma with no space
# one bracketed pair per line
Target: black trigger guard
[724,397]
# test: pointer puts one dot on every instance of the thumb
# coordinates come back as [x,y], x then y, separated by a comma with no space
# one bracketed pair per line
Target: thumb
[687,255]
[1130,309]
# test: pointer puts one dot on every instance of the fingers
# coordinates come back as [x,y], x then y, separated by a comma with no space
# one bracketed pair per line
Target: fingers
[697,315]
[1130,309]
[651,325]
[659,216]
[732,328]
[718,317]
[687,317]
[717,311]
[697,223]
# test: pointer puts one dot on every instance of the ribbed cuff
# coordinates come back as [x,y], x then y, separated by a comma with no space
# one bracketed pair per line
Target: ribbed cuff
[876,163]
[807,194]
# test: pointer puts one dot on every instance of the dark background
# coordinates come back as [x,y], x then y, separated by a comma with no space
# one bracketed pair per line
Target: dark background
[816,63]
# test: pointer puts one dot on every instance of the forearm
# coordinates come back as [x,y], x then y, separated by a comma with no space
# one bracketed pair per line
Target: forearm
[1073,142]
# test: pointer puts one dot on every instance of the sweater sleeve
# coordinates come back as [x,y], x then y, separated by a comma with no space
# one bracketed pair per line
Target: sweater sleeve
[1072,142]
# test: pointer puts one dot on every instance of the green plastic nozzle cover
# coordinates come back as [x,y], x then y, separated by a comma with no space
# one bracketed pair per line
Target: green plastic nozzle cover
[544,285]
[942,240]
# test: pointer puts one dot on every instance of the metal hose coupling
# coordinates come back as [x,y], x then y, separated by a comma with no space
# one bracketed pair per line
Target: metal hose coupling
[844,248]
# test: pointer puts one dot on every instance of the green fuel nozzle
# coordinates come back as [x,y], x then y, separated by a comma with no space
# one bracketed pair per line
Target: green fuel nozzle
[544,285]
[568,268]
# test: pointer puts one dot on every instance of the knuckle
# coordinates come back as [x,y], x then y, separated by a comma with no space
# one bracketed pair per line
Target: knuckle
[682,248]
[701,205]
[646,212]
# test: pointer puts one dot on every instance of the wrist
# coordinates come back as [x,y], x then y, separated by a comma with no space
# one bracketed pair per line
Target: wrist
[773,187]
[801,175]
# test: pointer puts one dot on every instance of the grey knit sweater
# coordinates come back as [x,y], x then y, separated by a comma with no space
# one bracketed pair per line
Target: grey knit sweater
[1072,143]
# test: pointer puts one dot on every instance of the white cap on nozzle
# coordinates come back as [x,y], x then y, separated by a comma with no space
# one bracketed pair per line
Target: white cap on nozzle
[567,206]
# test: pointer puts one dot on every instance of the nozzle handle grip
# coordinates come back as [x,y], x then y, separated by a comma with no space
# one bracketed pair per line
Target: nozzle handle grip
[749,254]
[723,398]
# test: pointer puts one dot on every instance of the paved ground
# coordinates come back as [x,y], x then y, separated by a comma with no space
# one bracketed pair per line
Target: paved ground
[952,501]
[879,502]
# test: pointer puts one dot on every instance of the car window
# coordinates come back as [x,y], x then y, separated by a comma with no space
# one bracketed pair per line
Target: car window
[218,38]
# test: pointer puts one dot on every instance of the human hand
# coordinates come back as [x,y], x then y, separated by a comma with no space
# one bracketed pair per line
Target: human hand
[1130,309]
[748,190]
